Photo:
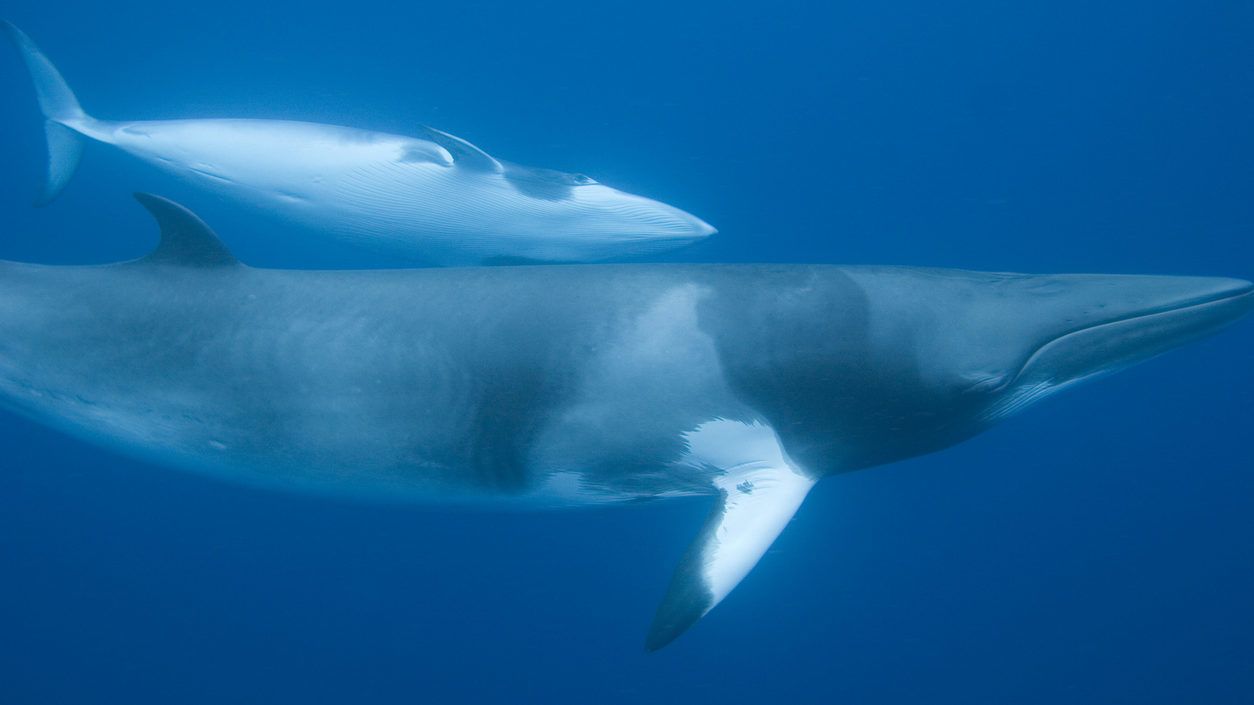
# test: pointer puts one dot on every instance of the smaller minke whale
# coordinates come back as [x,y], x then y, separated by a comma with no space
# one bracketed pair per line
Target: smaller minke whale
[431,198]
[565,385]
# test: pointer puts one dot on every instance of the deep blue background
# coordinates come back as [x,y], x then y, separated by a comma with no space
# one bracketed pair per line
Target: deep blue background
[1095,550]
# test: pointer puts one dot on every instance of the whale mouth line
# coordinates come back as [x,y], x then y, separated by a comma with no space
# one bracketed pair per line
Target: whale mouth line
[1245,291]
[670,238]
[1176,307]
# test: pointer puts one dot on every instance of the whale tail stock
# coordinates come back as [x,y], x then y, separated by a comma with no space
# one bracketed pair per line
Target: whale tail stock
[63,118]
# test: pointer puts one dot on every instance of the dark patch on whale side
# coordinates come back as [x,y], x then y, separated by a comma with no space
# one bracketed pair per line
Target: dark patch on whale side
[508,414]
[522,351]
[797,346]
[793,344]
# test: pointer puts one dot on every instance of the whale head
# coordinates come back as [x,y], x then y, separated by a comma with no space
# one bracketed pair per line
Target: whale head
[583,219]
[635,225]
[1078,328]
[926,358]
[986,346]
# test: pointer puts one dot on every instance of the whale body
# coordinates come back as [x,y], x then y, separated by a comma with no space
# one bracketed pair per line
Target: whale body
[560,385]
[432,198]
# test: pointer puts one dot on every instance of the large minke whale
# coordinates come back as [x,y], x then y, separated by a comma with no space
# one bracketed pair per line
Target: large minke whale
[435,198]
[565,385]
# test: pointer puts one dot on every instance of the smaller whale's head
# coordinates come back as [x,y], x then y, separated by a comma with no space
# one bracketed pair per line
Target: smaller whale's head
[640,225]
[601,222]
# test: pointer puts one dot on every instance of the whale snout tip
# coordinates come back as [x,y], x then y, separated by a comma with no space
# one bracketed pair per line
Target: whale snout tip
[698,231]
[680,231]
[1241,294]
[1201,303]
[689,228]
[1234,297]
[704,229]
[1240,289]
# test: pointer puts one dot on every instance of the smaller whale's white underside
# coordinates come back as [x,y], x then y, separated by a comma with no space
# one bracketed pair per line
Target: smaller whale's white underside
[433,198]
[403,195]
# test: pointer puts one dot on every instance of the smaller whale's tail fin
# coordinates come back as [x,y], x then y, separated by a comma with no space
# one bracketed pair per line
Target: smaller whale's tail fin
[63,117]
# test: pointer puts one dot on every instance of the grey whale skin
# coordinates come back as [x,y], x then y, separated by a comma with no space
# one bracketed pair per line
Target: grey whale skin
[434,198]
[562,385]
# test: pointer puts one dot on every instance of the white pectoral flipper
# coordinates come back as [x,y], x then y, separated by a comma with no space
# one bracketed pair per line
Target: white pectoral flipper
[760,490]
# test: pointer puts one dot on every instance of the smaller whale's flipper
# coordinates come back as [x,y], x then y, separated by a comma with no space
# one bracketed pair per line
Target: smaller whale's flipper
[63,116]
[465,154]
[760,490]
[186,240]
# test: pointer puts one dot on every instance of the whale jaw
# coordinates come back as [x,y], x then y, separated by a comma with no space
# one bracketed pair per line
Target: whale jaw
[1161,313]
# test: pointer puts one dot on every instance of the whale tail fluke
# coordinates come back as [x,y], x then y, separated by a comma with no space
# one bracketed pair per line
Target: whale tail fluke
[64,118]
[65,147]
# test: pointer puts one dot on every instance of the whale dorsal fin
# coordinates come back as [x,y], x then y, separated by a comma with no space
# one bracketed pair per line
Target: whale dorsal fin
[185,239]
[464,153]
[760,489]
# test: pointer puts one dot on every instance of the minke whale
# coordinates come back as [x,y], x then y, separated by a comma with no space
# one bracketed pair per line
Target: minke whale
[433,198]
[559,385]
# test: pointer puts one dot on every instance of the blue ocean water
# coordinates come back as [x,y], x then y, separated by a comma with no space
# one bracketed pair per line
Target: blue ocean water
[1094,550]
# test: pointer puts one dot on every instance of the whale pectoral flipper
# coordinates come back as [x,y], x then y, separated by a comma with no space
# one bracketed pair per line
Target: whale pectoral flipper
[464,153]
[760,490]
